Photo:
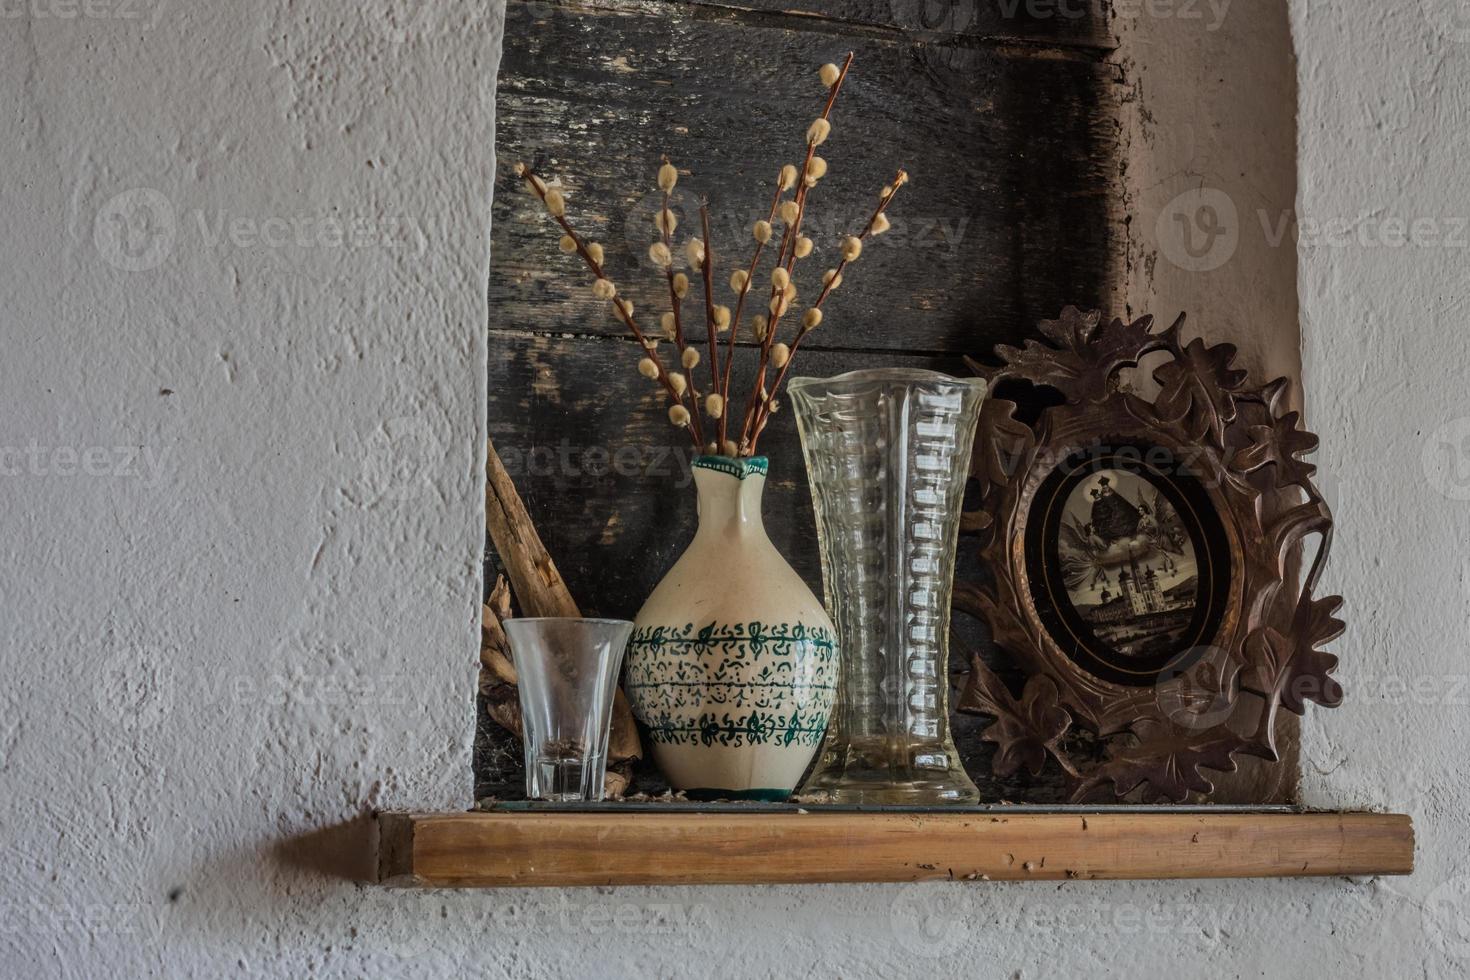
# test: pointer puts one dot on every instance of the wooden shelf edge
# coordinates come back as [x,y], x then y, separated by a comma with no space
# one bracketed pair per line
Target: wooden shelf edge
[497,850]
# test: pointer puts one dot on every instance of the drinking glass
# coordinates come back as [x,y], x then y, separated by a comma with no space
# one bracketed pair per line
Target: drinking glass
[566,675]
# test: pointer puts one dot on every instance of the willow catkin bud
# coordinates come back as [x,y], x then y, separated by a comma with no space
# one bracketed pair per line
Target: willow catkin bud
[739,280]
[803,247]
[650,343]
[779,305]
[818,131]
[829,73]
[594,252]
[816,169]
[831,279]
[666,324]
[667,177]
[780,278]
[648,368]
[790,211]
[660,254]
[788,176]
[812,318]
[604,289]
[677,382]
[567,244]
[556,204]
[758,327]
[880,224]
[665,221]
[679,415]
[789,292]
[681,285]
[689,358]
[714,406]
[534,185]
[729,448]
[694,252]
[852,247]
[902,178]
[622,306]
[774,406]
[780,354]
[722,318]
[762,231]
[886,192]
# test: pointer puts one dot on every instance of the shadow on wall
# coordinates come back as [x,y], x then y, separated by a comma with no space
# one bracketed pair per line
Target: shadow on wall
[346,851]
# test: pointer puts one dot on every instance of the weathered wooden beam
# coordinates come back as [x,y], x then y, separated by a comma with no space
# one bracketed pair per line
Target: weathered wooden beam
[482,850]
[1010,214]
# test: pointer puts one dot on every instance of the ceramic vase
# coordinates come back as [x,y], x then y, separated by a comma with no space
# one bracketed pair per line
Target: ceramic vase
[887,454]
[732,664]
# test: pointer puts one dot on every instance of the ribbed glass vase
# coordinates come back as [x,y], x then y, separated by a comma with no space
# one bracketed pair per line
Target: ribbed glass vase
[887,454]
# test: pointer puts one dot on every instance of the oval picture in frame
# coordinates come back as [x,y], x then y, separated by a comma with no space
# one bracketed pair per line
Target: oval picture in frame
[1127,561]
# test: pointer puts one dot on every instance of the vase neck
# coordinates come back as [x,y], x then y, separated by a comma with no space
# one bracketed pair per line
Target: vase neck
[730,497]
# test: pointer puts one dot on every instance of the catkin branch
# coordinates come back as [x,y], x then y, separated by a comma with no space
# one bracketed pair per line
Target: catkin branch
[556,207]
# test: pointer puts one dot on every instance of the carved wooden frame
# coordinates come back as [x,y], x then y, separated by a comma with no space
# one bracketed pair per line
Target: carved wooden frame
[1243,446]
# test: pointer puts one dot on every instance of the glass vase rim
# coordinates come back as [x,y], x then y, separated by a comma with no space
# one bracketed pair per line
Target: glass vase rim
[889,374]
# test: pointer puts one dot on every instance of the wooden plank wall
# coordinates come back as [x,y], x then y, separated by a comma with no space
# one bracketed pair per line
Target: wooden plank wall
[1006,116]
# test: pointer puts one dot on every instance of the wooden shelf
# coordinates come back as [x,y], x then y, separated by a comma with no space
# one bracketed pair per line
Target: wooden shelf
[606,846]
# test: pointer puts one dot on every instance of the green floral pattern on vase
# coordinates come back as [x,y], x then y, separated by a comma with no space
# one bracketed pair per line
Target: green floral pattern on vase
[733,684]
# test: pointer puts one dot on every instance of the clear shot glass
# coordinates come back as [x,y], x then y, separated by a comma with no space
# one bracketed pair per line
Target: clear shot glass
[567,674]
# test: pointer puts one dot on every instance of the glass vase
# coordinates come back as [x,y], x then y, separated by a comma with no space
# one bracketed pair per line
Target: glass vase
[887,453]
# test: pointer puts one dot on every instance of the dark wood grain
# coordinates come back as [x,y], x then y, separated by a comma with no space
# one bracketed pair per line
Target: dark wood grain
[1013,152]
[1010,151]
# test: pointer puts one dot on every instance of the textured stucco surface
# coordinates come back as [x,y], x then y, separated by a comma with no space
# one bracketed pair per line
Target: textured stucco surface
[269,628]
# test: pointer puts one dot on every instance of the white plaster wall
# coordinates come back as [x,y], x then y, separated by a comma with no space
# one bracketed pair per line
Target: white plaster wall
[268,628]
